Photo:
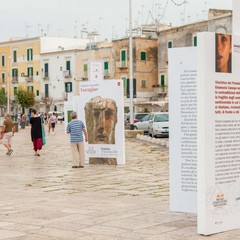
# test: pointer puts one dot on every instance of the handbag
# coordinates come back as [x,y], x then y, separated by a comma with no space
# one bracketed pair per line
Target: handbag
[43,133]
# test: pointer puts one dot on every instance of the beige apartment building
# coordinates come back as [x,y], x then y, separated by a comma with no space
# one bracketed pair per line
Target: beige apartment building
[4,66]
[115,58]
[20,67]
[145,74]
[219,21]
[101,51]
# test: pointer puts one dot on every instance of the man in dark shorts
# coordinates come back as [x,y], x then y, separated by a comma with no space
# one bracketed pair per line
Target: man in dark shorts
[53,120]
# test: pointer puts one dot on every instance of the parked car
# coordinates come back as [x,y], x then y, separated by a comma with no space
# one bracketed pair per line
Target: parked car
[158,124]
[143,124]
[136,118]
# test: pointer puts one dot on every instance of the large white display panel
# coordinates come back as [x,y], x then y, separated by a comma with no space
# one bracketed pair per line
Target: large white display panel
[70,106]
[101,107]
[218,133]
[183,129]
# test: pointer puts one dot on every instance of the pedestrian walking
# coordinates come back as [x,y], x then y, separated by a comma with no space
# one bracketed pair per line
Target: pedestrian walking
[7,133]
[76,128]
[53,120]
[36,132]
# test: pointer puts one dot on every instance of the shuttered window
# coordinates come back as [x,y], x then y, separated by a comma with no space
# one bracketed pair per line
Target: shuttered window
[143,56]
[30,54]
[15,56]
[106,73]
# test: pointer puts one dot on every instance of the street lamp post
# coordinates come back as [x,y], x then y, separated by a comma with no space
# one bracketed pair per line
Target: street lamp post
[8,86]
[130,65]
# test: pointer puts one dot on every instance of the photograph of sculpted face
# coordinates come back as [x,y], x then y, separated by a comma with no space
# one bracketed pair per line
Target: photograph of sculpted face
[101,119]
[223,45]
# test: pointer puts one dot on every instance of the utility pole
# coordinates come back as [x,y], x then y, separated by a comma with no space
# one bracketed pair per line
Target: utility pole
[9,80]
[130,65]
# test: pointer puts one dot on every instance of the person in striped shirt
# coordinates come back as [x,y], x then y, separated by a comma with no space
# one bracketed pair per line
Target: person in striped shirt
[76,129]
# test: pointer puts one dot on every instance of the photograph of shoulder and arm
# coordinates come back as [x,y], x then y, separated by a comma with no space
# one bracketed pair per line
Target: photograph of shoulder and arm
[223,45]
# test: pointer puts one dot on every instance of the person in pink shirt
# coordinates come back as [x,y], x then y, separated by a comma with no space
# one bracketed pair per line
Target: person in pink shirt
[53,120]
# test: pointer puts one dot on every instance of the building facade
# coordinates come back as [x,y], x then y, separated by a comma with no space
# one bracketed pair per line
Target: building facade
[145,73]
[219,21]
[54,67]
[22,66]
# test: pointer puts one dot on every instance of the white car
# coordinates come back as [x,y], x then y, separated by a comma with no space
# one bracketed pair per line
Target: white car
[143,124]
[158,124]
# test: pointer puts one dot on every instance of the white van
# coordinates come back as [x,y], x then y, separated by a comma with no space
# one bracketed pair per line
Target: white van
[158,124]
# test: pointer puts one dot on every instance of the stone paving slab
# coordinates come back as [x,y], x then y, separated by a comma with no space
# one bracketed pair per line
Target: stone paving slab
[43,198]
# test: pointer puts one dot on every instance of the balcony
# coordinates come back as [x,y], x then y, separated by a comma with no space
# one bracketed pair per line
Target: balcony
[45,76]
[122,64]
[15,80]
[46,99]
[67,74]
[160,90]
[106,77]
[29,78]
[106,74]
[85,75]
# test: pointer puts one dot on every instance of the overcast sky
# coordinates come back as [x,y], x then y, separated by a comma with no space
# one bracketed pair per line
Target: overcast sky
[66,18]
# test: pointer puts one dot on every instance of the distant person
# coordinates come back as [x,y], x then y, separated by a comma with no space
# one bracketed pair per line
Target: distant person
[23,120]
[53,120]
[45,118]
[36,132]
[223,53]
[7,133]
[76,129]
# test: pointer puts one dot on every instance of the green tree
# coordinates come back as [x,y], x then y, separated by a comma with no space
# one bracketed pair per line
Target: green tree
[3,98]
[25,97]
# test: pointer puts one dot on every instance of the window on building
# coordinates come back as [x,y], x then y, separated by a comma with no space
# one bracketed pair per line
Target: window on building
[68,65]
[163,84]
[123,58]
[134,88]
[144,83]
[162,80]
[14,55]
[143,56]
[46,91]
[106,73]
[124,85]
[15,72]
[30,71]
[37,73]
[30,88]
[3,60]
[68,87]
[85,70]
[195,41]
[37,93]
[3,77]
[170,44]
[30,54]
[15,89]
[46,69]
